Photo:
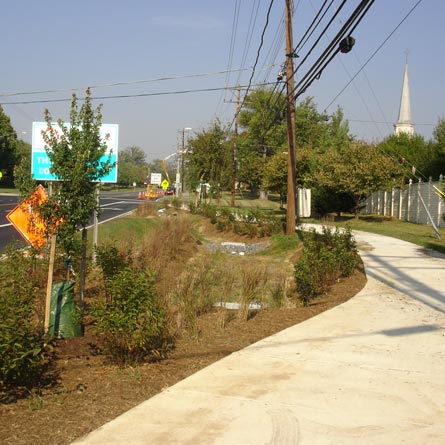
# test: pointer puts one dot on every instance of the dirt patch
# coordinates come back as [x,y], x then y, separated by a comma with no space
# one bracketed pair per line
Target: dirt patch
[89,392]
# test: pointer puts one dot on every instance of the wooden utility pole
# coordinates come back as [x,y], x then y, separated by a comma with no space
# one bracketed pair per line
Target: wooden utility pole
[235,141]
[291,217]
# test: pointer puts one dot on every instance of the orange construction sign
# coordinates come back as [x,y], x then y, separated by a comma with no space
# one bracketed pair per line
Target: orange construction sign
[26,220]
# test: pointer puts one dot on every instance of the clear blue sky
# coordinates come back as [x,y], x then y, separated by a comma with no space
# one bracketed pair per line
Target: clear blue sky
[70,45]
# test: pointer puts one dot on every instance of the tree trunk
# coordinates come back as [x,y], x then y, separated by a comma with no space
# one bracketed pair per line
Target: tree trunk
[83,266]
[264,195]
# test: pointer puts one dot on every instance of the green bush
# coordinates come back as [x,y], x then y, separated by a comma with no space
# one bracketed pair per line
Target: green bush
[111,260]
[220,225]
[193,208]
[326,257]
[23,349]
[252,222]
[131,321]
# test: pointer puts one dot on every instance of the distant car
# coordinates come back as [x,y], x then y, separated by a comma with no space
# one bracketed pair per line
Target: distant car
[170,191]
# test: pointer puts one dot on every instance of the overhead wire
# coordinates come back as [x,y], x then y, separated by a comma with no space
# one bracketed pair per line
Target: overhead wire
[314,25]
[122,96]
[129,82]
[231,48]
[372,92]
[365,104]
[374,53]
[250,29]
[256,62]
[333,48]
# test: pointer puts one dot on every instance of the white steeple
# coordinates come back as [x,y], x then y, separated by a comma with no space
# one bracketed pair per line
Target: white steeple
[404,124]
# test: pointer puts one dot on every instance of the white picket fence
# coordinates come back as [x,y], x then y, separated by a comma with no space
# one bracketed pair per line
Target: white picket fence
[418,203]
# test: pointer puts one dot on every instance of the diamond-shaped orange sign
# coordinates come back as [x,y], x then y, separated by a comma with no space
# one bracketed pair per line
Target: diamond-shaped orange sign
[26,220]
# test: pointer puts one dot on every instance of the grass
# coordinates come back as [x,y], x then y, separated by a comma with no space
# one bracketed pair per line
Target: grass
[419,234]
[8,190]
[282,244]
[127,227]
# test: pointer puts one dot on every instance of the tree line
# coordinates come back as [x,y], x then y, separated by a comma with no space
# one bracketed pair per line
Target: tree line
[340,169]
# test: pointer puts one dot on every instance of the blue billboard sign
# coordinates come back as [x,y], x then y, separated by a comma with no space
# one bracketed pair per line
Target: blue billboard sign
[41,164]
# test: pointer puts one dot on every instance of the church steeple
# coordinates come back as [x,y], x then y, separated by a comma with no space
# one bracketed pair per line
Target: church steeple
[404,124]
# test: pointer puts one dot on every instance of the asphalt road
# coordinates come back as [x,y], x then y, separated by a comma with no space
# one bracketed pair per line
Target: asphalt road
[113,205]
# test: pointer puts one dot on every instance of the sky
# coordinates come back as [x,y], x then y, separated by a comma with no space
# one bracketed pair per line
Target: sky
[149,52]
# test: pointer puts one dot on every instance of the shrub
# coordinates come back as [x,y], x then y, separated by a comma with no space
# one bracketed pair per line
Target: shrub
[220,225]
[23,349]
[110,260]
[193,208]
[326,257]
[132,321]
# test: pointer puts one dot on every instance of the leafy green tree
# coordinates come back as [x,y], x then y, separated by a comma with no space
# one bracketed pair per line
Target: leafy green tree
[310,125]
[209,157]
[76,156]
[8,145]
[134,155]
[275,175]
[437,150]
[155,166]
[356,171]
[264,122]
[22,171]
[263,133]
[409,151]
[132,166]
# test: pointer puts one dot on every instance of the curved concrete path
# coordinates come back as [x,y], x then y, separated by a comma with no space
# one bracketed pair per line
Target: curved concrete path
[370,371]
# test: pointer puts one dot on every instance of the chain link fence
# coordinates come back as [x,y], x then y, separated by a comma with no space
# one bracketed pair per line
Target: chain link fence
[420,203]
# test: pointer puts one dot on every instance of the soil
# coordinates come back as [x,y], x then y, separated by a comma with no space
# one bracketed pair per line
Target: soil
[88,391]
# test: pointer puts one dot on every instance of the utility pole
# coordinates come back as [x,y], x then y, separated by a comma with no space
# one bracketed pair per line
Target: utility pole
[291,217]
[182,157]
[182,160]
[235,142]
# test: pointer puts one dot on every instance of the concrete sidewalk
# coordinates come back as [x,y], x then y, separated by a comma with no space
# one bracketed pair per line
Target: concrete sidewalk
[370,371]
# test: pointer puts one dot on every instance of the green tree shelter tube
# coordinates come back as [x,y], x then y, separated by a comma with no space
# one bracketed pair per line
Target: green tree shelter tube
[64,321]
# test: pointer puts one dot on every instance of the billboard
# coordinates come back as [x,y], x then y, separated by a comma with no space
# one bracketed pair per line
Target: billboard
[41,164]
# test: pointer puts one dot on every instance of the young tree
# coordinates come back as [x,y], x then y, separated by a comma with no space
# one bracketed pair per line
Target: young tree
[77,161]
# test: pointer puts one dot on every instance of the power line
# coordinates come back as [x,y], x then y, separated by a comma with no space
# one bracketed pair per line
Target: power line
[323,32]
[252,22]
[374,53]
[231,48]
[333,48]
[307,35]
[124,96]
[256,61]
[130,82]
[383,122]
